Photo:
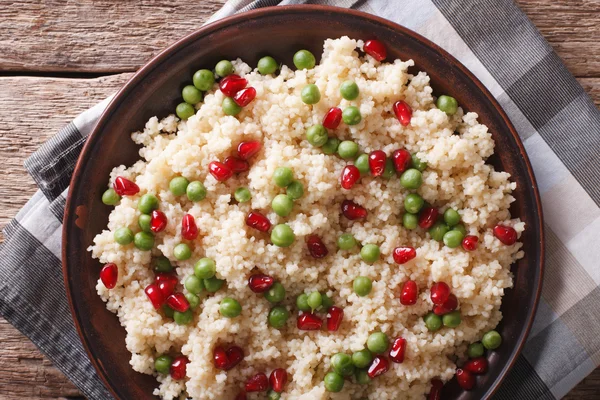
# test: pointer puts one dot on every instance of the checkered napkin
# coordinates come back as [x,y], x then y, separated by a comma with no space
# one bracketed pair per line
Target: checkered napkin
[556,120]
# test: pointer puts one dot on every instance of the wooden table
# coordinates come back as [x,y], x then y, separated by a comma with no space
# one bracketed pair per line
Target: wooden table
[58,58]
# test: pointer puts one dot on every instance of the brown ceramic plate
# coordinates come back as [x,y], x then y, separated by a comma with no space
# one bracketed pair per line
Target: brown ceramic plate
[278,31]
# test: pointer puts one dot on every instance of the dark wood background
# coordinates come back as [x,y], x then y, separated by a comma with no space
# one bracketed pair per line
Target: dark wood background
[58,58]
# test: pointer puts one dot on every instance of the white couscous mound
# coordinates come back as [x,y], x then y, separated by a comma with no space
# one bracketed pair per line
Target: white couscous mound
[455,148]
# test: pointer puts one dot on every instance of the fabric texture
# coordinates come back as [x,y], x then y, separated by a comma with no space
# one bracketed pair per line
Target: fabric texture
[557,121]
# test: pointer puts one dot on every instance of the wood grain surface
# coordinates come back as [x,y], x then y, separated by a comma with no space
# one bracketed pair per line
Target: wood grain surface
[57,58]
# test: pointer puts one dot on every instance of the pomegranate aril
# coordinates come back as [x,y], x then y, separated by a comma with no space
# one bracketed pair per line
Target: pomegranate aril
[332,119]
[244,96]
[278,379]
[427,217]
[258,221]
[236,165]
[248,149]
[235,355]
[470,242]
[178,302]
[353,211]
[257,383]
[448,306]
[401,159]
[505,234]
[316,247]
[260,283]
[108,275]
[232,84]
[350,175]
[334,318]
[477,366]
[220,171]
[465,379]
[124,187]
[378,366]
[409,293]
[440,291]
[220,358]
[404,254]
[398,349]
[189,230]
[166,283]
[155,295]
[436,390]
[179,367]
[377,161]
[309,322]
[158,221]
[375,49]
[403,112]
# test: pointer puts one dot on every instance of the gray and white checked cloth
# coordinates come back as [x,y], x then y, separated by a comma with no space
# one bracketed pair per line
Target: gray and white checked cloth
[556,120]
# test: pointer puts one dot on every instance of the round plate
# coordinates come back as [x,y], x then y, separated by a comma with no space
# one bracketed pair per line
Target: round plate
[278,31]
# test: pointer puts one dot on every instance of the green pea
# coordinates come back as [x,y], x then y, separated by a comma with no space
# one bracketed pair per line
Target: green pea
[452,319]
[378,343]
[224,68]
[342,364]
[491,340]
[362,286]
[169,312]
[178,185]
[327,302]
[349,90]
[346,241]
[162,364]
[282,204]
[143,241]
[453,238]
[183,318]
[230,308]
[410,221]
[193,299]
[161,264]
[370,253]
[213,284]
[334,382]
[110,197]
[411,179]
[331,145]
[182,251]
[295,190]
[145,223]
[362,163]
[267,65]
[278,316]
[475,350]
[302,302]
[123,236]
[460,228]
[203,79]
[351,115]
[348,150]
[194,284]
[317,135]
[304,59]
[310,94]
[438,230]
[451,217]
[196,191]
[415,162]
[389,170]
[184,111]
[205,268]
[362,377]
[242,195]
[276,293]
[282,235]
[230,107]
[147,203]
[362,358]
[432,322]
[447,104]
[314,300]
[191,95]
[283,176]
[413,203]
[273,395]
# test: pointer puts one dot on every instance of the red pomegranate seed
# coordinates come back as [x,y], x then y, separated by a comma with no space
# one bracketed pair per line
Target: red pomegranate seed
[155,295]
[166,283]
[470,242]
[505,234]
[440,292]
[353,211]
[350,175]
[260,283]
[258,221]
[244,96]
[316,247]
[189,230]
[241,396]
[379,366]
[404,254]
[332,119]
[257,383]
[401,159]
[235,355]
[375,49]
[220,171]
[334,318]
[309,322]
[108,275]
[436,390]
[465,379]
[237,165]
[178,302]
[220,358]
[477,366]
[403,112]
[278,379]
[232,84]
[377,160]
[248,149]
[448,306]
[158,221]
[427,217]
[409,293]
[124,187]
[398,350]
[179,367]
